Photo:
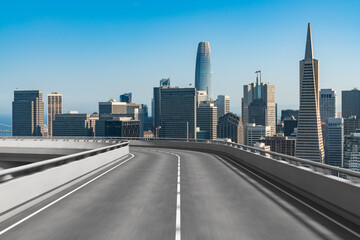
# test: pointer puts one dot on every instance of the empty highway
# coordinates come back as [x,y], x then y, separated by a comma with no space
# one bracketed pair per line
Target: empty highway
[168,194]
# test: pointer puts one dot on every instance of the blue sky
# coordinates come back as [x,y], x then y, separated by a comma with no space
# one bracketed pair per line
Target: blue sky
[91,51]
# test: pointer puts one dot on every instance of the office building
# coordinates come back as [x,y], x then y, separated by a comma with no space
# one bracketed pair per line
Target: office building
[203,70]
[351,123]
[334,142]
[288,113]
[123,109]
[55,104]
[280,144]
[126,97]
[93,118]
[350,103]
[178,112]
[122,127]
[352,152]
[309,139]
[258,104]
[113,111]
[112,107]
[327,104]
[262,146]
[201,96]
[255,132]
[290,123]
[72,124]
[156,110]
[223,105]
[28,113]
[280,127]
[230,126]
[206,120]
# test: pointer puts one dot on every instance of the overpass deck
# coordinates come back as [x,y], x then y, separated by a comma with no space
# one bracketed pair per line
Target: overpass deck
[138,200]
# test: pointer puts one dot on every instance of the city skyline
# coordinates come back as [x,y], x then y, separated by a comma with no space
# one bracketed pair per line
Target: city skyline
[55,53]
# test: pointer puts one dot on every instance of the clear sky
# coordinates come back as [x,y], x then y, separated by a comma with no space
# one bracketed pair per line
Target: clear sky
[91,51]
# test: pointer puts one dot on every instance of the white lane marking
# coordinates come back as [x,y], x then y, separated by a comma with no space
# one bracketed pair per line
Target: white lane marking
[297,199]
[178,197]
[178,200]
[64,196]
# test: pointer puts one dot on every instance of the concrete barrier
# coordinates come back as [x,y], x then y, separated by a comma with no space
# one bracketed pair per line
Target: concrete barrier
[21,193]
[335,194]
[47,146]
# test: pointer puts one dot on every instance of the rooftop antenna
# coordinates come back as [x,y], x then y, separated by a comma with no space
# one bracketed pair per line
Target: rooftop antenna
[257,77]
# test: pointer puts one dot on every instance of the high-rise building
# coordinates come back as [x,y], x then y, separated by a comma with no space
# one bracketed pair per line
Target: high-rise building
[258,104]
[280,144]
[112,110]
[230,126]
[290,123]
[201,96]
[112,107]
[203,70]
[223,105]
[28,113]
[72,124]
[327,104]
[126,97]
[255,132]
[178,112]
[93,118]
[288,113]
[351,123]
[54,102]
[206,120]
[122,127]
[309,140]
[156,110]
[334,141]
[352,152]
[350,103]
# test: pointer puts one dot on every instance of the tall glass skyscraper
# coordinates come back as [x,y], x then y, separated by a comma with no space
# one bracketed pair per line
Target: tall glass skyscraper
[203,70]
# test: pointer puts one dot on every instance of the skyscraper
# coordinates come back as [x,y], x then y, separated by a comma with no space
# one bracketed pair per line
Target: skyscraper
[72,124]
[126,97]
[258,104]
[309,140]
[156,110]
[351,124]
[327,104]
[54,102]
[223,105]
[28,113]
[203,70]
[334,142]
[289,113]
[112,110]
[230,126]
[350,103]
[206,119]
[280,144]
[178,112]
[255,132]
[352,152]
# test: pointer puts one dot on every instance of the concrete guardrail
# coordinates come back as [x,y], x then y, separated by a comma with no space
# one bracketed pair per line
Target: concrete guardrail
[25,186]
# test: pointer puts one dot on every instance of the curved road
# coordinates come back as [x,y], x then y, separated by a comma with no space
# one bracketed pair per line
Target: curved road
[149,198]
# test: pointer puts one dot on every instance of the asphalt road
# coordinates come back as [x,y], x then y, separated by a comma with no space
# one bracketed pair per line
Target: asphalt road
[138,200]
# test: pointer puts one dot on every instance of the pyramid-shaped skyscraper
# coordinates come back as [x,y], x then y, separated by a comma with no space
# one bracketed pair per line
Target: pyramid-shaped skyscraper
[309,139]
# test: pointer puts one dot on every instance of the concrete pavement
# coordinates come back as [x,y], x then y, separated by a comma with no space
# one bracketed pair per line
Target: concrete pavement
[137,200]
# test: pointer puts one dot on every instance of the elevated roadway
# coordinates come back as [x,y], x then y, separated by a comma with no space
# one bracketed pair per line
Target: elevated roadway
[176,194]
